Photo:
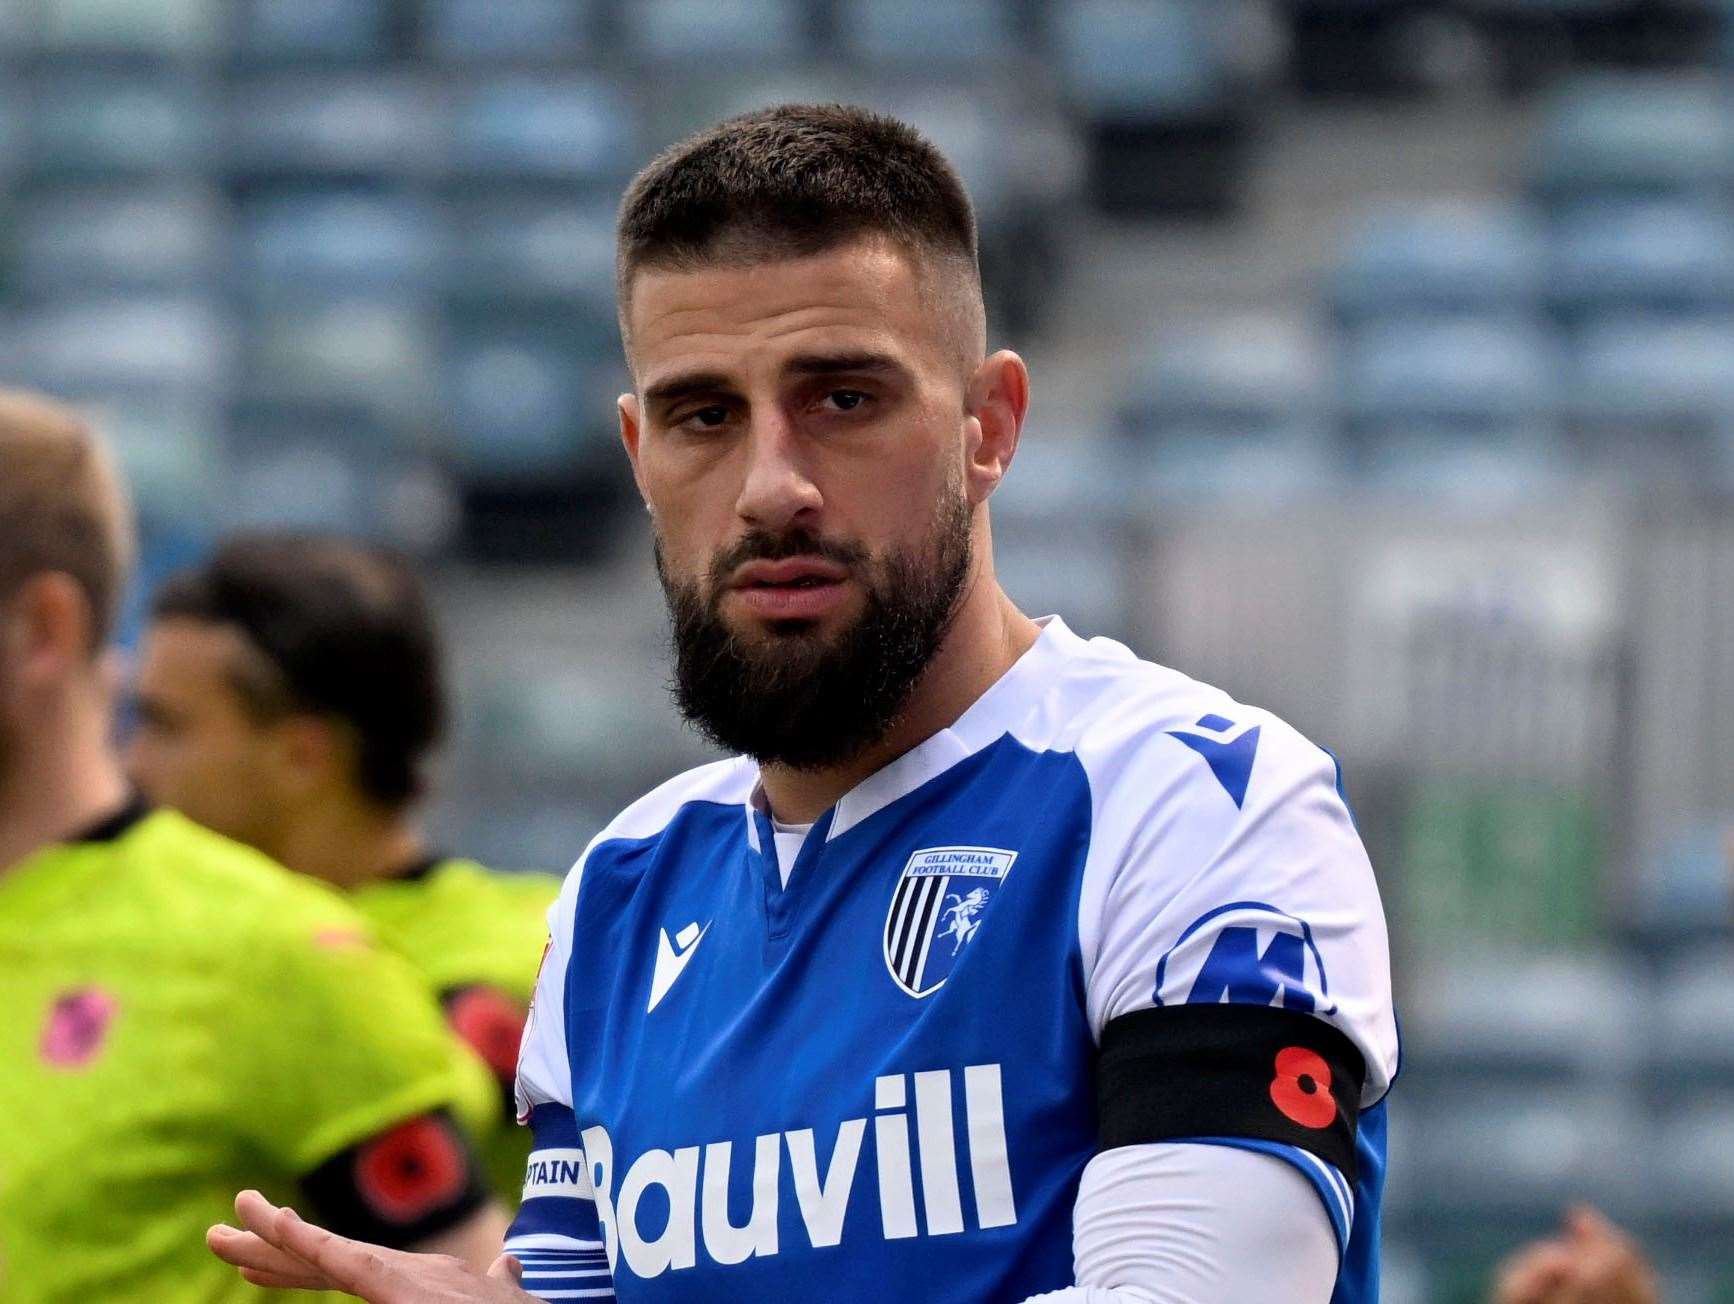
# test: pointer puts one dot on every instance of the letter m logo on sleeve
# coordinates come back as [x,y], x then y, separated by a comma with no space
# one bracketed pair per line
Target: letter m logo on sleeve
[1245,953]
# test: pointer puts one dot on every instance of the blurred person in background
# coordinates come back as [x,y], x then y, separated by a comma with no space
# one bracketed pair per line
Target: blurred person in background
[289,693]
[1590,1261]
[1092,945]
[177,1014]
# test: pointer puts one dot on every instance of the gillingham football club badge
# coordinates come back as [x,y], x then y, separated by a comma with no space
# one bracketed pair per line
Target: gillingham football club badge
[936,908]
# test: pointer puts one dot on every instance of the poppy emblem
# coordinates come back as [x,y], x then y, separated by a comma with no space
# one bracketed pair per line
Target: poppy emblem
[1301,1088]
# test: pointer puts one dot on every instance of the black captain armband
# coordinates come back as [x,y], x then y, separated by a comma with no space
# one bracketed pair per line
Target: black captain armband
[1244,1071]
[410,1182]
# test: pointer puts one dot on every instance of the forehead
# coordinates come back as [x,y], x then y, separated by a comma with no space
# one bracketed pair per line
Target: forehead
[178,649]
[869,294]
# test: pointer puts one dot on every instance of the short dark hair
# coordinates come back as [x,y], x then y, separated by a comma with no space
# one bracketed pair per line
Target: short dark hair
[62,506]
[345,630]
[791,181]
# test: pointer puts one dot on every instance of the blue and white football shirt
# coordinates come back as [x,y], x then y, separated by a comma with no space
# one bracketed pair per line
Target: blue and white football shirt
[1109,905]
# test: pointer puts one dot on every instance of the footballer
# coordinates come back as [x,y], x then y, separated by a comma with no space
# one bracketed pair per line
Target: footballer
[996,964]
[288,694]
[178,1015]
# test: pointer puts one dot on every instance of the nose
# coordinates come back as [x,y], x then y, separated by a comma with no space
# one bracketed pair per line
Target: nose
[778,490]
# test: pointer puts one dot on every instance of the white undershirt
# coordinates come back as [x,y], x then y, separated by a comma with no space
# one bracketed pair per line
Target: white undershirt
[790,837]
[1187,1223]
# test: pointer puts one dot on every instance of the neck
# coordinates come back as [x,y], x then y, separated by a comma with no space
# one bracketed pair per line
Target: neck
[985,639]
[66,778]
[348,842]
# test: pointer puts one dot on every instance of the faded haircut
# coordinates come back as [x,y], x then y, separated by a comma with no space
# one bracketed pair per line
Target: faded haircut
[791,182]
[62,507]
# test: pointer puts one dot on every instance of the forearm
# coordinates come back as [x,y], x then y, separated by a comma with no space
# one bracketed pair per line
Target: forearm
[1184,1223]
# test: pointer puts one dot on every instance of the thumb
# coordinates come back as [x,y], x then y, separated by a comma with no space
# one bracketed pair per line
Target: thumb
[506,1268]
[1587,1223]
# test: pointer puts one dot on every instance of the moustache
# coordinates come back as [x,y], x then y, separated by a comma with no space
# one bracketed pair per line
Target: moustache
[761,545]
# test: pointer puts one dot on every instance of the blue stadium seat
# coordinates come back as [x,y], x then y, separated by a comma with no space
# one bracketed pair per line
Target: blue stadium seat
[1560,1015]
[160,344]
[1263,466]
[1634,255]
[567,129]
[165,236]
[516,31]
[1636,134]
[330,240]
[1234,376]
[1443,257]
[1686,889]
[735,30]
[538,247]
[1509,468]
[1693,1158]
[167,28]
[282,483]
[1502,1147]
[313,30]
[122,124]
[376,353]
[905,33]
[337,124]
[1646,373]
[172,453]
[1694,1035]
[1142,60]
[520,405]
[1450,374]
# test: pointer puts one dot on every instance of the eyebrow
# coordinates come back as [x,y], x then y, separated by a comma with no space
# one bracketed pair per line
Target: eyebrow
[685,385]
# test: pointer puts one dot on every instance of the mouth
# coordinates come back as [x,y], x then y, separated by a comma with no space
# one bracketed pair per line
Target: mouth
[793,589]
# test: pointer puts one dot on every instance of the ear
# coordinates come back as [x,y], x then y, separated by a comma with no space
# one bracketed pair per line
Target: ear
[48,630]
[627,404]
[998,398]
[311,753]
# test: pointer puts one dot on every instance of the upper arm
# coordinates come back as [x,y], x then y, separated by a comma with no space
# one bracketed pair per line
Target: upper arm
[1236,962]
[340,1041]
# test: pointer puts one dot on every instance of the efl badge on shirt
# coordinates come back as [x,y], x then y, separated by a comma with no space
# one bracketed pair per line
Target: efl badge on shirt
[936,909]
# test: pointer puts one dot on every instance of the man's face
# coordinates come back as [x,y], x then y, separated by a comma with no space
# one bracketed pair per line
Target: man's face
[799,433]
[196,746]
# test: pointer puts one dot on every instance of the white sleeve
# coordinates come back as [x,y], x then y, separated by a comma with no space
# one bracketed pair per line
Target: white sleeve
[1225,868]
[544,1071]
[1196,1224]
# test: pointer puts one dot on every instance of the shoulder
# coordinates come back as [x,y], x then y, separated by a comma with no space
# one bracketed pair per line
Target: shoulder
[715,790]
[1147,735]
[201,877]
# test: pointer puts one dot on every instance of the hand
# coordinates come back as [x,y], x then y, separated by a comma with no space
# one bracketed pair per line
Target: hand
[1590,1262]
[280,1251]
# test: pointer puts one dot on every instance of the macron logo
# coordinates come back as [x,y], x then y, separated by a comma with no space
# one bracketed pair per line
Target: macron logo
[671,958]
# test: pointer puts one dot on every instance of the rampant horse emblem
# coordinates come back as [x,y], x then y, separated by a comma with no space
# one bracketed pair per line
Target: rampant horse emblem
[925,909]
[962,916]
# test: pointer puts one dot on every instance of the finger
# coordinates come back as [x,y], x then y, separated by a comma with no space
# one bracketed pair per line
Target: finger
[508,1268]
[1534,1275]
[277,1281]
[1585,1222]
[359,1268]
[246,1250]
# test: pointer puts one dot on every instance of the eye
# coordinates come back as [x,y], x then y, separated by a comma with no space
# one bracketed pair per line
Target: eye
[706,418]
[846,400]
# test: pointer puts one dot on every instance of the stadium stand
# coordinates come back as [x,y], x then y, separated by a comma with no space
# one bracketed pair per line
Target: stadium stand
[1384,358]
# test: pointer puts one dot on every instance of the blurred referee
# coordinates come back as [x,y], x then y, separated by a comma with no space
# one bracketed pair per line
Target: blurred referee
[289,693]
[177,1013]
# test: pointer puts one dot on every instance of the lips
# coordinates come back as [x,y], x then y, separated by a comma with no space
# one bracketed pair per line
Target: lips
[795,588]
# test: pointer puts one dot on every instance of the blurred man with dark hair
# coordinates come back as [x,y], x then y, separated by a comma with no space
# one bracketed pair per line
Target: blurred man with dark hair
[177,1014]
[289,694]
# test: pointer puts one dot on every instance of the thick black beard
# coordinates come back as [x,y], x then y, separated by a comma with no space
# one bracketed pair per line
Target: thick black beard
[794,698]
